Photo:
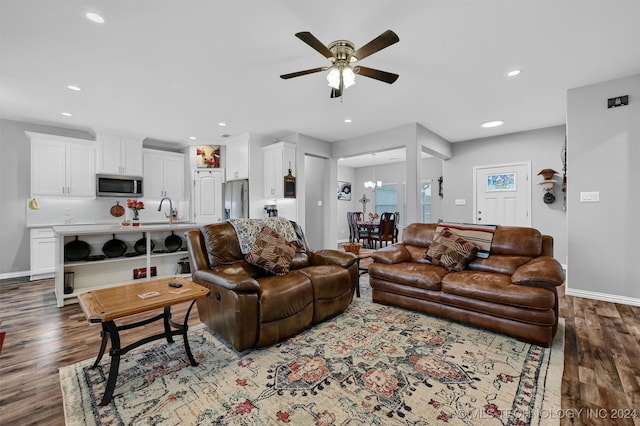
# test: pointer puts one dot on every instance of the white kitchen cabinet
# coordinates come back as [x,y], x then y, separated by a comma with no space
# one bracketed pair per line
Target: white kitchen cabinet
[207,197]
[42,253]
[62,167]
[278,159]
[237,162]
[163,174]
[119,155]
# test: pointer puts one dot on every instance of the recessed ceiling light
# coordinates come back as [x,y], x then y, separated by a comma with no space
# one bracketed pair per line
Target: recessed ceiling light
[493,123]
[222,124]
[74,88]
[66,114]
[347,120]
[193,138]
[94,17]
[513,73]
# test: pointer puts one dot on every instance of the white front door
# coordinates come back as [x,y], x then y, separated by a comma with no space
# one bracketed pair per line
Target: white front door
[502,194]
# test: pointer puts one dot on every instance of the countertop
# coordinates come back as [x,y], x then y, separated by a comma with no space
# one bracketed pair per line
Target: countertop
[87,229]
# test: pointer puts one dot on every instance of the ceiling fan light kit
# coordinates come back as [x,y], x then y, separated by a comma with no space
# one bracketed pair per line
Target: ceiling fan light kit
[342,54]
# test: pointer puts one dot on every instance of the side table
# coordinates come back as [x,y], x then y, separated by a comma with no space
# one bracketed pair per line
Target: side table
[108,304]
[363,253]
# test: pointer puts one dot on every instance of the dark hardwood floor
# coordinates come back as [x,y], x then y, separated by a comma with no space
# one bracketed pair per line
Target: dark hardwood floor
[601,372]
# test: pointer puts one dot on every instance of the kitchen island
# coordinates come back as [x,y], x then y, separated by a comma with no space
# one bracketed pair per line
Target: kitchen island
[145,251]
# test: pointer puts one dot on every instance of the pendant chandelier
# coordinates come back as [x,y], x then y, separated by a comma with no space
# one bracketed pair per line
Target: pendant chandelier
[373,184]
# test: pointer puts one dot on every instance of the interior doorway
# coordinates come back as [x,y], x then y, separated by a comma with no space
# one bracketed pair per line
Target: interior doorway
[502,194]
[316,174]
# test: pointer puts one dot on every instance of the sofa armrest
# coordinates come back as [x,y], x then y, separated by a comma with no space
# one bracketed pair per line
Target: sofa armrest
[240,283]
[541,270]
[333,257]
[396,253]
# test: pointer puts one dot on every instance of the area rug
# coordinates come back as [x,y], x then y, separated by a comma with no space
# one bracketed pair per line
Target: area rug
[371,365]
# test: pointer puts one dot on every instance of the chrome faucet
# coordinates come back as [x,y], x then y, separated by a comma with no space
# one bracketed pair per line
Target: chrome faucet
[171,211]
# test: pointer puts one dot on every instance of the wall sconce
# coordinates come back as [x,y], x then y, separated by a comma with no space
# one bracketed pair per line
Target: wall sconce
[547,185]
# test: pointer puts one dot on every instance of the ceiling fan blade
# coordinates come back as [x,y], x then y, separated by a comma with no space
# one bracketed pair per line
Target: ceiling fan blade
[305,72]
[310,39]
[336,93]
[387,77]
[385,39]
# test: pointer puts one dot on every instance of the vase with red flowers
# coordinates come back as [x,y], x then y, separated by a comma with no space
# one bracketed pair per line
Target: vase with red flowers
[135,207]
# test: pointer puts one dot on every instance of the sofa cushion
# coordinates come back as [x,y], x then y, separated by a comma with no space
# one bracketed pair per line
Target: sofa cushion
[271,252]
[419,275]
[517,241]
[497,288]
[221,243]
[284,297]
[500,263]
[451,251]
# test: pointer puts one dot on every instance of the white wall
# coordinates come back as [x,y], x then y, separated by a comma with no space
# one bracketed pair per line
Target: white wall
[432,169]
[346,174]
[542,147]
[604,156]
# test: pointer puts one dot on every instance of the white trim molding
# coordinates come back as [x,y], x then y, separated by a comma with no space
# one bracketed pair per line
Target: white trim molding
[603,297]
[8,275]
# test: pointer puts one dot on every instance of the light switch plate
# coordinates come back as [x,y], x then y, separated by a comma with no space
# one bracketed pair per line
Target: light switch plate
[589,197]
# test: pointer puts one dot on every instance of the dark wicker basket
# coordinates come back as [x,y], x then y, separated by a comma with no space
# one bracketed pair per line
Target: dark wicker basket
[352,247]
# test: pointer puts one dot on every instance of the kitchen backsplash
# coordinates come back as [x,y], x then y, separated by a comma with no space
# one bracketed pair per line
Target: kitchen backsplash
[60,212]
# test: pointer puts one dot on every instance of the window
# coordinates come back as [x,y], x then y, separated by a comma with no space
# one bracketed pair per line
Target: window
[425,200]
[386,198]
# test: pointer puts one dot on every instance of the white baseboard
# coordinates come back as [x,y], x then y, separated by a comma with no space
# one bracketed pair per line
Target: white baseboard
[14,275]
[613,298]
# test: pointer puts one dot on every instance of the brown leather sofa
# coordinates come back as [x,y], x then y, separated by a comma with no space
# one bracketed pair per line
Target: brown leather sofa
[513,291]
[249,307]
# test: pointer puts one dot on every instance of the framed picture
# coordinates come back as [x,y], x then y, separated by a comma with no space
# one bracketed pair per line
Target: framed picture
[208,156]
[344,191]
[501,182]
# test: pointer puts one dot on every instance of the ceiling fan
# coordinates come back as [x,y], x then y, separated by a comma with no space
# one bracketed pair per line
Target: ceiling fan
[343,55]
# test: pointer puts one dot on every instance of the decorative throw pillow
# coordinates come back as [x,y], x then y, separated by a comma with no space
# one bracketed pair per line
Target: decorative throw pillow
[271,252]
[451,251]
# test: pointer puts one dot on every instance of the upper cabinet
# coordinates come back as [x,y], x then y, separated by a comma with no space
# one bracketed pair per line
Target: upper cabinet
[62,167]
[237,162]
[163,174]
[278,159]
[119,155]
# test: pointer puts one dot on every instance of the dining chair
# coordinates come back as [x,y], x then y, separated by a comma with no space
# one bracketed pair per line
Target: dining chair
[395,228]
[356,234]
[385,231]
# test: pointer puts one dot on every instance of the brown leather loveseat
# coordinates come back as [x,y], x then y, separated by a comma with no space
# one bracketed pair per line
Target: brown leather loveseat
[250,307]
[512,291]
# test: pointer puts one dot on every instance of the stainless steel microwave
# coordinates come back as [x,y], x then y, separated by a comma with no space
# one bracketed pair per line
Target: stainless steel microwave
[118,186]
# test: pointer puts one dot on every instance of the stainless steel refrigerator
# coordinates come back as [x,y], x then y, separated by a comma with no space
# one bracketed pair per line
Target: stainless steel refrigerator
[236,199]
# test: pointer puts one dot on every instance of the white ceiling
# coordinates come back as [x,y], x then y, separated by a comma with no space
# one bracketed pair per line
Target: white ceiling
[168,70]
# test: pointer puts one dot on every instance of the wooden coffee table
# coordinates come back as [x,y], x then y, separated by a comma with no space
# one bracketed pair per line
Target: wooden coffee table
[106,305]
[363,253]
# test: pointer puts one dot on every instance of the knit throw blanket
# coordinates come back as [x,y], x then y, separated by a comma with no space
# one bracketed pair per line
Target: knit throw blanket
[248,230]
[480,235]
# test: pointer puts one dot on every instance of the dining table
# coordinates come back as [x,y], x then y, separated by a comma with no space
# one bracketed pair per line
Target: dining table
[370,227]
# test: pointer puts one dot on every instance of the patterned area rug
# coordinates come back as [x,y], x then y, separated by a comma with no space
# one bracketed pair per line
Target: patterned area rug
[372,365]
